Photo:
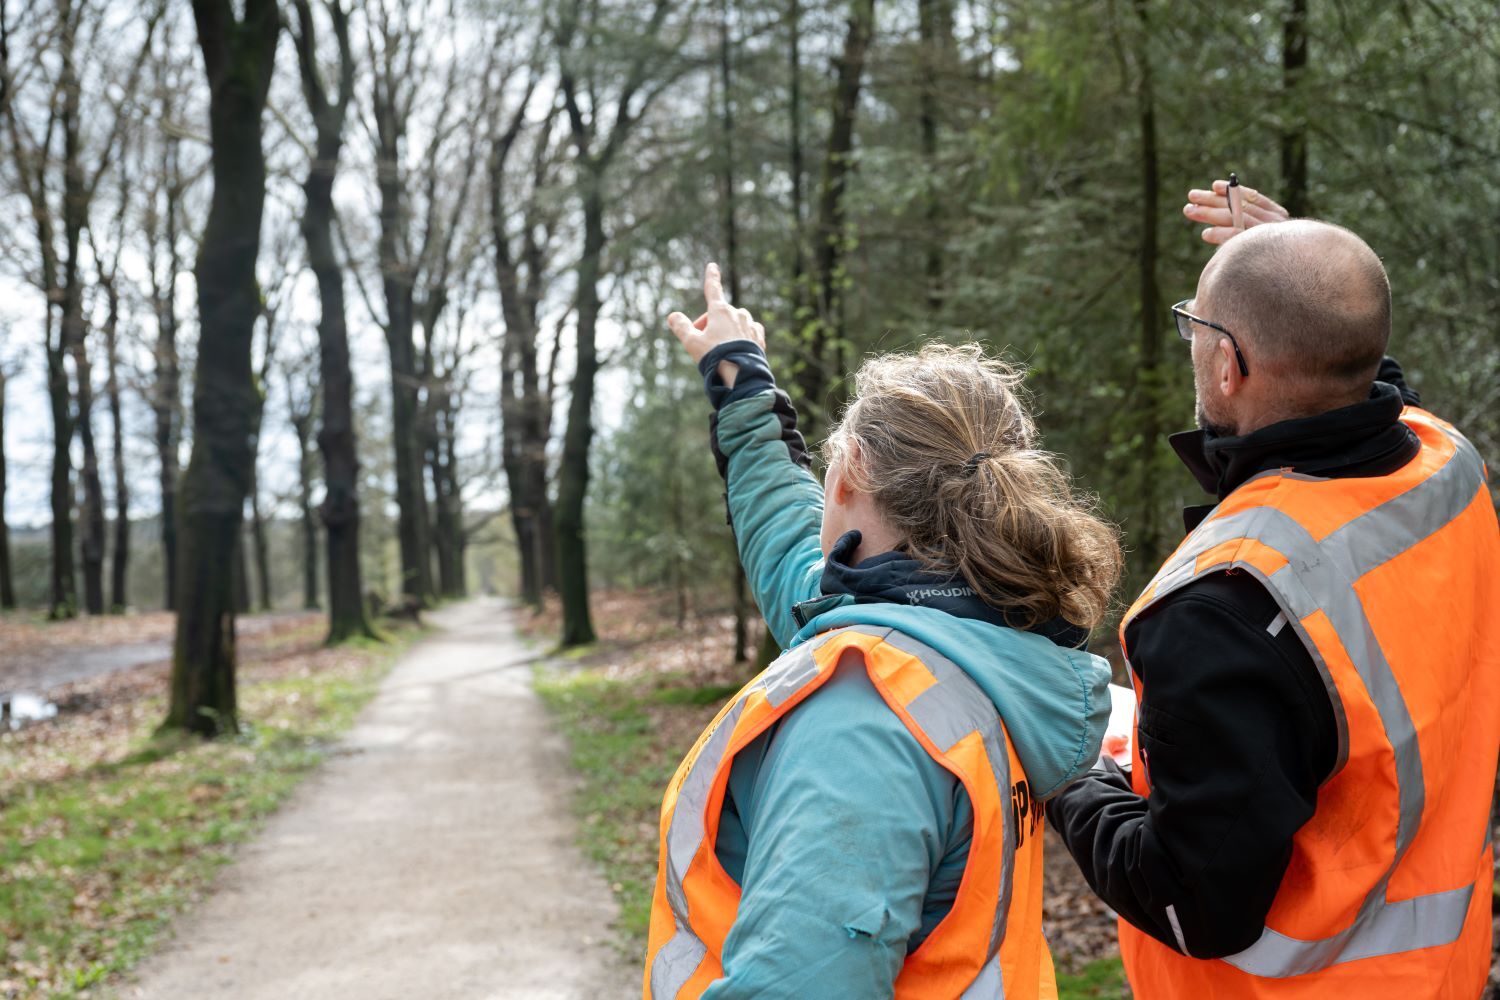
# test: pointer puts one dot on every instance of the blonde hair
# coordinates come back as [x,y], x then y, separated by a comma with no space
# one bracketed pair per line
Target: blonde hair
[947,449]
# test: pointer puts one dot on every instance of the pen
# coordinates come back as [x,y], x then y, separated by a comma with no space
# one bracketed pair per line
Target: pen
[1236,213]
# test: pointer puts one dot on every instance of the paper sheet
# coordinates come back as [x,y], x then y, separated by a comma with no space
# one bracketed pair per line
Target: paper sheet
[1121,728]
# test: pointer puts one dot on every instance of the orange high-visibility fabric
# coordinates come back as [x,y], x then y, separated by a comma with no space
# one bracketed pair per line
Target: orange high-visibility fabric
[1393,585]
[988,946]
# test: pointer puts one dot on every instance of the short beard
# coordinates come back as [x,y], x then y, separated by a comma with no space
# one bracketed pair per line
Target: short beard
[1212,429]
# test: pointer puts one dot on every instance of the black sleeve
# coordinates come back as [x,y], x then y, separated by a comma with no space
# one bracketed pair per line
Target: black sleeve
[754,377]
[1390,372]
[1237,732]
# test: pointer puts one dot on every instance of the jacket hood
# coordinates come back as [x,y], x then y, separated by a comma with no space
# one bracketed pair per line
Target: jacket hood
[898,578]
[1053,700]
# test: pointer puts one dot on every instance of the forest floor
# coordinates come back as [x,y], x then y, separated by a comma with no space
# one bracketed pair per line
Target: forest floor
[107,830]
[434,854]
[42,655]
[632,704]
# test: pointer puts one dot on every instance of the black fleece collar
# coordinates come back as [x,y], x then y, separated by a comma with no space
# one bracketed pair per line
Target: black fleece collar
[897,578]
[1366,439]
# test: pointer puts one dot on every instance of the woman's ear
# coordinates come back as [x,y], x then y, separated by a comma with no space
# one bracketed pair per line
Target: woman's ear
[838,485]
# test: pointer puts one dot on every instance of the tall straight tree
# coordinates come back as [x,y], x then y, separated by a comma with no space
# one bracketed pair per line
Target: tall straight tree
[239,54]
[120,553]
[7,583]
[397,59]
[1148,537]
[166,188]
[336,438]
[108,266]
[1294,107]
[824,343]
[280,286]
[732,264]
[59,185]
[521,227]
[935,56]
[604,104]
[302,404]
[92,544]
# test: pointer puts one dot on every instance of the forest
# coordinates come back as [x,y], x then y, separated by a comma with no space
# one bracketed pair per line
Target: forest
[323,315]
[331,294]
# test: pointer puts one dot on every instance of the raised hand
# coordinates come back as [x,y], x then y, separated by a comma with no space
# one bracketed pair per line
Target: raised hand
[721,323]
[1212,209]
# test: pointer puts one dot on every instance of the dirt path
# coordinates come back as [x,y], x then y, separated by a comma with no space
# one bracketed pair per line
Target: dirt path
[432,858]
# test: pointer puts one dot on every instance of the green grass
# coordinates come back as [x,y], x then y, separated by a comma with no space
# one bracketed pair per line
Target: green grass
[1103,979]
[93,865]
[615,729]
[625,767]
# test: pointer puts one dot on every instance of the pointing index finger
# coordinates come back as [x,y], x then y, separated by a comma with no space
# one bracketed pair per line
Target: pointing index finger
[713,286]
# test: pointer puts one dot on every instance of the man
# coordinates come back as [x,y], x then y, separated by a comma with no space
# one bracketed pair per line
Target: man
[1318,665]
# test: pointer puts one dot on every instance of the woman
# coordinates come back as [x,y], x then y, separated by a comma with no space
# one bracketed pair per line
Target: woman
[865,818]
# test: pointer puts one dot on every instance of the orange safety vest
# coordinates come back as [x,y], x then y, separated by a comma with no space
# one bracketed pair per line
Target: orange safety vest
[1393,585]
[990,944]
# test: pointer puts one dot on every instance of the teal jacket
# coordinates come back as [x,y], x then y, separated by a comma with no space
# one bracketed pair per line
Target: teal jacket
[847,839]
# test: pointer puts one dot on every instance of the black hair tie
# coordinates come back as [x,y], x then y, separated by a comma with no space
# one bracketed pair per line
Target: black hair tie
[973,463]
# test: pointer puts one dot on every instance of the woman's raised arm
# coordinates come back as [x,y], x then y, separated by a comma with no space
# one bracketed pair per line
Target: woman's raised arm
[775,503]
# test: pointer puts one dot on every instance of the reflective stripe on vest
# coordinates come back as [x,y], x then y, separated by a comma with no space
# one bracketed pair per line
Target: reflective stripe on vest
[1321,576]
[947,712]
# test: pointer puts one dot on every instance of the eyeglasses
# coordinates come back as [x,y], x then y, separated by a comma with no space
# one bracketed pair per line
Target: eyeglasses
[1185,321]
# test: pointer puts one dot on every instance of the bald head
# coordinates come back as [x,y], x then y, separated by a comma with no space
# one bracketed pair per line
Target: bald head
[1309,302]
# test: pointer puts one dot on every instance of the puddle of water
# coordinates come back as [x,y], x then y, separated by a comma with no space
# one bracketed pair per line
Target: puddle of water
[16,710]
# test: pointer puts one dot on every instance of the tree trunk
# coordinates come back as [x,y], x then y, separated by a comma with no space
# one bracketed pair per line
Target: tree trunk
[453,498]
[1148,539]
[1294,106]
[118,600]
[7,583]
[525,410]
[241,577]
[768,651]
[92,546]
[935,28]
[397,284]
[731,261]
[238,55]
[825,346]
[166,400]
[573,471]
[795,165]
[258,541]
[63,601]
[302,425]
[444,533]
[347,614]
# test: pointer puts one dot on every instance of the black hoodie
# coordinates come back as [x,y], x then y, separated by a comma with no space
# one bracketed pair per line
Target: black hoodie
[1236,719]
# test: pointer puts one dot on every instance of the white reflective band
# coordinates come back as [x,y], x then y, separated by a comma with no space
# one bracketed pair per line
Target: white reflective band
[1422,922]
[1277,624]
[989,986]
[675,963]
[1177,929]
[948,711]
[1320,576]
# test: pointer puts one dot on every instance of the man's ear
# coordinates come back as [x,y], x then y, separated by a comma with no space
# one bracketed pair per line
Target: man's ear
[1229,378]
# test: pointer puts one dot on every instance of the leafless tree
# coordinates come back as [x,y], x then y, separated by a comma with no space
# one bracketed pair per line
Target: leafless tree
[239,54]
[336,438]
[59,163]
[607,87]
